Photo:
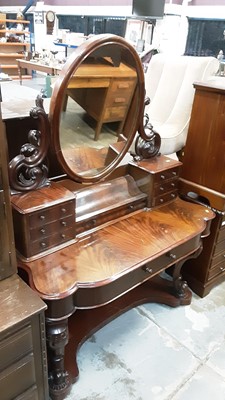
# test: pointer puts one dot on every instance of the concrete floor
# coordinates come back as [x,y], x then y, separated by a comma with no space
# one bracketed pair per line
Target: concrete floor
[154,352]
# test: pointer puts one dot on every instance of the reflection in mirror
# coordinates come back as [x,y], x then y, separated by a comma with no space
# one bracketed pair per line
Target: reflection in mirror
[95,107]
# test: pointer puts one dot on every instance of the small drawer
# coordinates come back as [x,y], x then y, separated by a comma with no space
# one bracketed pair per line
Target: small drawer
[15,346]
[219,248]
[217,259]
[51,241]
[50,214]
[165,187]
[157,201]
[217,270]
[16,379]
[49,229]
[221,235]
[165,175]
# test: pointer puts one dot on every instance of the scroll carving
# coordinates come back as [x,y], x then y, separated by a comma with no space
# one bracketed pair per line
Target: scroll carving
[148,142]
[27,171]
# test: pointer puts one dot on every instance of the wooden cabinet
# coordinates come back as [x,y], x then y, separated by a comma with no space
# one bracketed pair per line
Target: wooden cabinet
[7,248]
[14,46]
[23,359]
[203,180]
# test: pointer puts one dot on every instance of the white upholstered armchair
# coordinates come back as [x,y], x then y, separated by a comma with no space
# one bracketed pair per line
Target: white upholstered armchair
[169,85]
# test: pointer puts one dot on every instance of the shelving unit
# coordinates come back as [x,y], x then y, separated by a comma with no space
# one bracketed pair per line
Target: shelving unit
[10,51]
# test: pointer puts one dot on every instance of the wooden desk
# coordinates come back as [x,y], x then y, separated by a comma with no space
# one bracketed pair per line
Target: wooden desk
[84,282]
[103,91]
[35,66]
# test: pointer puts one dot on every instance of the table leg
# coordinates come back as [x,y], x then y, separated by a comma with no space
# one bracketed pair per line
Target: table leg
[57,338]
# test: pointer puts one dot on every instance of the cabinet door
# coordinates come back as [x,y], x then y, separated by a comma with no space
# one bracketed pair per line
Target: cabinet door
[7,248]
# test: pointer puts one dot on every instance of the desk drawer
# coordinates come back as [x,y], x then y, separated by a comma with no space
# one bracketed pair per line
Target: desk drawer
[17,378]
[115,113]
[15,346]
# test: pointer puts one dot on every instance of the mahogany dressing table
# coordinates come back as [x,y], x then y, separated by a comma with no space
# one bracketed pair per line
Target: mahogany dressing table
[94,241]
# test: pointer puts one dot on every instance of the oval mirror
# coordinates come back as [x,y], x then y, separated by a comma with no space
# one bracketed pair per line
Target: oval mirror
[96,105]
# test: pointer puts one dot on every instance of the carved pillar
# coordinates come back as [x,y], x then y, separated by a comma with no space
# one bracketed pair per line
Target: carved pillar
[57,338]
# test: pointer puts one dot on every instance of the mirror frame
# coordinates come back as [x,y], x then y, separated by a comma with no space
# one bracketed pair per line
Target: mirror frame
[131,124]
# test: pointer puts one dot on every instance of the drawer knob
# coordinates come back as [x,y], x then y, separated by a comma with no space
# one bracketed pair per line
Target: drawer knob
[174,173]
[173,195]
[161,200]
[162,177]
[43,231]
[172,255]
[63,223]
[173,184]
[43,244]
[148,269]
[63,236]
[63,210]
[42,217]
[161,188]
[222,269]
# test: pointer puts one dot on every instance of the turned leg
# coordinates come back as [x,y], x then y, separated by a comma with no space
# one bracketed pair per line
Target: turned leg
[57,338]
[179,285]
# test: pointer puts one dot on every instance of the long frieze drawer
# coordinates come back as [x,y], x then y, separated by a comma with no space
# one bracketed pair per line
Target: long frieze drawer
[49,229]
[15,346]
[49,242]
[217,259]
[115,113]
[17,378]
[217,270]
[221,235]
[220,247]
[167,174]
[157,201]
[84,225]
[51,214]
[165,187]
[86,297]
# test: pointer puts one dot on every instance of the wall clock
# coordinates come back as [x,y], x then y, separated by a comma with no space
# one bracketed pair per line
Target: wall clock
[50,20]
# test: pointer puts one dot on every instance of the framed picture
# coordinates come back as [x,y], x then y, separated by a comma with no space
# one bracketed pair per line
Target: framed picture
[134,30]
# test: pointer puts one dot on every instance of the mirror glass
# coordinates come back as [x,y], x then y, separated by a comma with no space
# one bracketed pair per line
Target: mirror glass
[97,102]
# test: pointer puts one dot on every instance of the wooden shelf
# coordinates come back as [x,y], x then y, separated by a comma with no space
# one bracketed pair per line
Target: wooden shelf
[10,51]
[13,31]
[15,44]
[9,66]
[11,55]
[17,21]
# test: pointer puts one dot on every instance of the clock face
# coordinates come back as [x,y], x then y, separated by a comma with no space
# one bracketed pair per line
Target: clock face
[50,16]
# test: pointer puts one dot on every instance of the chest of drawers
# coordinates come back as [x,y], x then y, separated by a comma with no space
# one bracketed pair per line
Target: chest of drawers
[43,220]
[203,178]
[158,178]
[23,359]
